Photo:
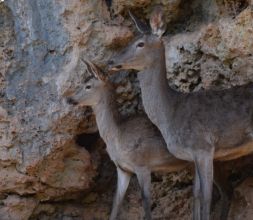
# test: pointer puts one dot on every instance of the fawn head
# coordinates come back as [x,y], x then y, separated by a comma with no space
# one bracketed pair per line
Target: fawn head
[142,52]
[88,93]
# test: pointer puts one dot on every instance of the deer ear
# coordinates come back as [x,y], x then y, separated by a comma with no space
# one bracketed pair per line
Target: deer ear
[95,70]
[141,26]
[99,72]
[157,21]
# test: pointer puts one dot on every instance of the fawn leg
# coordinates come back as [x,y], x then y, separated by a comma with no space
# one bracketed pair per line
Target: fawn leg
[204,162]
[197,194]
[144,178]
[225,190]
[122,184]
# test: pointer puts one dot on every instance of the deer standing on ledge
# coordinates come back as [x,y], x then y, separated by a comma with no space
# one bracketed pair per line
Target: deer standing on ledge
[134,144]
[197,127]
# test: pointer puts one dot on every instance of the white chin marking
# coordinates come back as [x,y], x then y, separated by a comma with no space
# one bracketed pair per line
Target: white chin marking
[115,69]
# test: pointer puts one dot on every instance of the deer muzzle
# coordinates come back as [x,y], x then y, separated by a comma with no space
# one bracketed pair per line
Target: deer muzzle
[112,66]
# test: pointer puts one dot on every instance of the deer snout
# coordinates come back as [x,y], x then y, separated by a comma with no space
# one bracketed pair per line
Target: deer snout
[112,65]
[71,101]
[110,62]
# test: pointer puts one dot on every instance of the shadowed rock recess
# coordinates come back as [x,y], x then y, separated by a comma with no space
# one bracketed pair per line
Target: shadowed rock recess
[53,164]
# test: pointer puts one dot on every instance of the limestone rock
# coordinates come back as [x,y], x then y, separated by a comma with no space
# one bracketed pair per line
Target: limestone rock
[231,37]
[242,203]
[16,208]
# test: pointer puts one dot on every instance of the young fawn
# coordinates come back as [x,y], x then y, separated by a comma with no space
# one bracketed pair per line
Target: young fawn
[197,127]
[134,144]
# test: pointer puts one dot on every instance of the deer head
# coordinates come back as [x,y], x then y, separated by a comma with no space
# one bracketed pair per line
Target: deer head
[142,52]
[88,93]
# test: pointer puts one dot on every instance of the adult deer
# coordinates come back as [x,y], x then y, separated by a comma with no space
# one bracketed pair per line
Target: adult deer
[134,144]
[198,126]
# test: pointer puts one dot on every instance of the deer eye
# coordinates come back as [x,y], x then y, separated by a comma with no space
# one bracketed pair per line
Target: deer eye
[141,44]
[88,87]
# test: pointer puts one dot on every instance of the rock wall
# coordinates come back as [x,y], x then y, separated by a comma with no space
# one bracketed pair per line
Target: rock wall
[53,165]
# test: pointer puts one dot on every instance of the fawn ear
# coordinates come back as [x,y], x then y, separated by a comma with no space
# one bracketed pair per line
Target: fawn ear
[99,73]
[95,70]
[141,26]
[157,21]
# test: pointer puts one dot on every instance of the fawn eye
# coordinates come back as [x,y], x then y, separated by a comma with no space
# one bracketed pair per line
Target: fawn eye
[88,87]
[141,44]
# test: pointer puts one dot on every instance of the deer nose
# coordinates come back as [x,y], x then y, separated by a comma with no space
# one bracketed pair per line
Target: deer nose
[110,62]
[112,65]
[118,67]
[71,101]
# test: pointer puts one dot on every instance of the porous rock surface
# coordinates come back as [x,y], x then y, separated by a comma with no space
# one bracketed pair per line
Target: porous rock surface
[53,165]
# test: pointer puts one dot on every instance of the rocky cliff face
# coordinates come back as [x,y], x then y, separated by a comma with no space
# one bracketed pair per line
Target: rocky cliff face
[53,165]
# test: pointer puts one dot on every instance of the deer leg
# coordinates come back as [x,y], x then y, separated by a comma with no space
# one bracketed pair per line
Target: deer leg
[197,195]
[144,179]
[122,184]
[224,201]
[225,190]
[204,164]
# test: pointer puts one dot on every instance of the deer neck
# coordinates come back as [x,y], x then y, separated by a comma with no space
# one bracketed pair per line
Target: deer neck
[107,116]
[158,98]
